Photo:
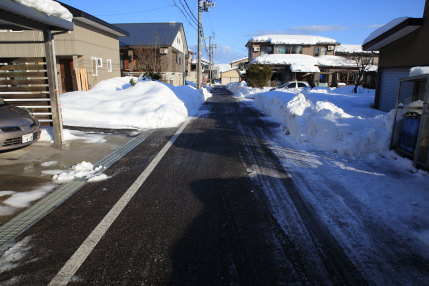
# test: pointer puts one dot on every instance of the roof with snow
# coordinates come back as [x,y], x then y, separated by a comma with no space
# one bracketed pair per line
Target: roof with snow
[146,34]
[351,49]
[392,31]
[304,63]
[239,60]
[292,40]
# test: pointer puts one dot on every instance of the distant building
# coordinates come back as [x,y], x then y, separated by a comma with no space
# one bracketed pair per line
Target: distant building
[302,57]
[155,47]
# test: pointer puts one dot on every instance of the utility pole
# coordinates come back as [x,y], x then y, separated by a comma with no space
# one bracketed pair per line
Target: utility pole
[202,6]
[211,56]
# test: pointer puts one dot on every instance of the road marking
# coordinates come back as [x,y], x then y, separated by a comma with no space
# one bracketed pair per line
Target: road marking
[79,257]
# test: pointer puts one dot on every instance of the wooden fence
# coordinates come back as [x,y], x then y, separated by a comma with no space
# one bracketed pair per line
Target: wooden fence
[24,83]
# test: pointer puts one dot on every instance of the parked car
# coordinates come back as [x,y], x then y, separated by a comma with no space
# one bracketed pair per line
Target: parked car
[18,128]
[294,85]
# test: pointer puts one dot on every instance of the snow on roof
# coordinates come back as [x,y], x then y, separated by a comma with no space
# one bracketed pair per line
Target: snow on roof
[297,62]
[371,68]
[223,67]
[416,71]
[303,63]
[48,7]
[239,60]
[227,70]
[293,39]
[384,29]
[335,61]
[352,49]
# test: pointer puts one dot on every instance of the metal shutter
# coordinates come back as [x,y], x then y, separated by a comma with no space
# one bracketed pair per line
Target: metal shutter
[389,84]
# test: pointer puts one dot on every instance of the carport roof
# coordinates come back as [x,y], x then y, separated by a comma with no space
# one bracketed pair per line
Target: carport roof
[14,15]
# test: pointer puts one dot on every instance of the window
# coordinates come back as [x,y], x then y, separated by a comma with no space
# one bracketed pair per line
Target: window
[323,51]
[281,49]
[316,51]
[266,50]
[301,84]
[109,65]
[296,50]
[94,66]
[99,62]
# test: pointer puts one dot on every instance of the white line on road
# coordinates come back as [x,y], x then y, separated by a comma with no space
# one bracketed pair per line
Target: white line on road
[79,257]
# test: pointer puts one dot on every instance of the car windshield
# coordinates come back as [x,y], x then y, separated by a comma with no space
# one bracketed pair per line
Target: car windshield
[2,102]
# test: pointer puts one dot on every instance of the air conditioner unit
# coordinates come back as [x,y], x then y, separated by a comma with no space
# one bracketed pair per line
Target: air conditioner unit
[331,48]
[256,48]
[163,51]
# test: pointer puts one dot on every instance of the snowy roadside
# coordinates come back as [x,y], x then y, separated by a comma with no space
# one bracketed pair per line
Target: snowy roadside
[336,149]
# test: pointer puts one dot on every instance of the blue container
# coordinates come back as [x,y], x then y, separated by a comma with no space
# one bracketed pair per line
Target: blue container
[409,133]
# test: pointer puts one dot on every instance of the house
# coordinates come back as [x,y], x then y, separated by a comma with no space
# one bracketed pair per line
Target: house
[239,63]
[403,43]
[92,49]
[192,74]
[302,57]
[231,75]
[159,48]
[33,85]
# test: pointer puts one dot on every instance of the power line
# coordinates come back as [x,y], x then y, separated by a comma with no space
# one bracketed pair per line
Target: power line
[187,12]
[135,12]
[184,15]
[193,15]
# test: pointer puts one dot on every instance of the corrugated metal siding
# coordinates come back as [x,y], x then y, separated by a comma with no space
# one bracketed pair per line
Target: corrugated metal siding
[389,84]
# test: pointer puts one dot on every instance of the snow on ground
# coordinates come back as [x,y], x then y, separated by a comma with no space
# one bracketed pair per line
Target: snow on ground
[83,170]
[19,200]
[114,103]
[69,135]
[14,256]
[48,7]
[337,150]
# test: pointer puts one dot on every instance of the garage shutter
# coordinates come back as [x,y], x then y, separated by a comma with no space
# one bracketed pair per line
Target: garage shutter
[389,84]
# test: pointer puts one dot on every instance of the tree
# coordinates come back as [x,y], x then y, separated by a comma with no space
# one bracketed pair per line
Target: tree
[362,60]
[258,75]
[149,60]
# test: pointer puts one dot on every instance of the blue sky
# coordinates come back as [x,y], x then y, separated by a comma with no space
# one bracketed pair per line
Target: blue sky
[234,22]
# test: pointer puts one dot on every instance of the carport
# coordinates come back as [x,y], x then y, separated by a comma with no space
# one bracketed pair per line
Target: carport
[14,80]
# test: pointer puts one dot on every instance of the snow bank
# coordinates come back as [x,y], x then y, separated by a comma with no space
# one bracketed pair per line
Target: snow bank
[293,39]
[48,7]
[115,104]
[47,135]
[240,89]
[416,71]
[328,120]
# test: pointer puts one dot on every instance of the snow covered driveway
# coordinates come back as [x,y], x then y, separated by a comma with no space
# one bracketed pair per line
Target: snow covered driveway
[228,204]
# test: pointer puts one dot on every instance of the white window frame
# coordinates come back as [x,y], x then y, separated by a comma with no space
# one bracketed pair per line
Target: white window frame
[94,66]
[109,65]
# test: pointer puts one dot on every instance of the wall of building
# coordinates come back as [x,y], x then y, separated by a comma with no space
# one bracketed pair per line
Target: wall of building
[84,42]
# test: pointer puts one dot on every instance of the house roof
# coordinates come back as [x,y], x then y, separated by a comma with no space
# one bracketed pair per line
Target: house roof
[94,21]
[145,34]
[239,60]
[14,15]
[292,40]
[391,32]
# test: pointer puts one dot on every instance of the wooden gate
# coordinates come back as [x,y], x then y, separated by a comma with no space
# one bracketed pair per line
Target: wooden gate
[24,83]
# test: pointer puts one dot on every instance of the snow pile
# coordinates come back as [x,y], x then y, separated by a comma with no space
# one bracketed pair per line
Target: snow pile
[293,39]
[327,120]
[115,104]
[82,170]
[416,71]
[48,7]
[240,89]
[384,29]
[297,62]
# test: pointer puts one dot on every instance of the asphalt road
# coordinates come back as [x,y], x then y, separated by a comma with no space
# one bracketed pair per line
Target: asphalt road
[202,217]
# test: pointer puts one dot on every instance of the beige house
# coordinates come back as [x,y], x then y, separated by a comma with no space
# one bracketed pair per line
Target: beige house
[302,57]
[239,63]
[232,75]
[155,47]
[90,51]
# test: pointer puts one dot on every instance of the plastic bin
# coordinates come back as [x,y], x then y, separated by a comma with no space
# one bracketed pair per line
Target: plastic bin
[409,132]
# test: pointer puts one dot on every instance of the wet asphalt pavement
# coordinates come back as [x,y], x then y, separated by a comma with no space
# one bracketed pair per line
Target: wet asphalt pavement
[202,217]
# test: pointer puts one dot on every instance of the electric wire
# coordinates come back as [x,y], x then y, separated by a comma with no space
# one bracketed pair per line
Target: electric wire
[135,12]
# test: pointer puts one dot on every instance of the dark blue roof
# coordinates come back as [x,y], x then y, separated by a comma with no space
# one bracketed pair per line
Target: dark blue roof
[162,34]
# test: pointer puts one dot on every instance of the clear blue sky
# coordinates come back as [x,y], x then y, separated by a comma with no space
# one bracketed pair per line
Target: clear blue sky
[234,22]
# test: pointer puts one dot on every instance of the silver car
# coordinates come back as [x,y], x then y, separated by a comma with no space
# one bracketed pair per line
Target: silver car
[18,128]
